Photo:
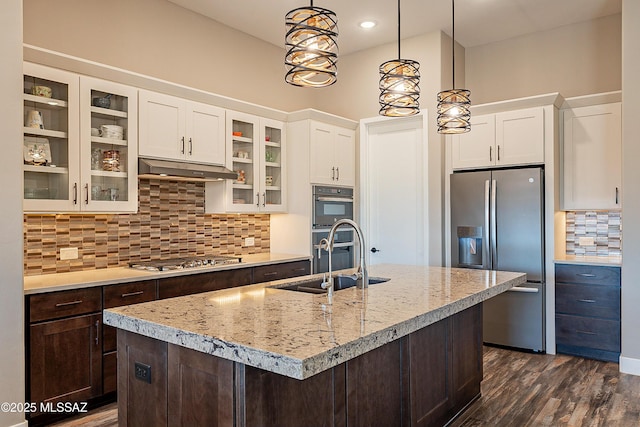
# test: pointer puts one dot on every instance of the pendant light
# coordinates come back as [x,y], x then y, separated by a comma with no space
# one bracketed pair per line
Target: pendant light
[399,85]
[312,47]
[454,113]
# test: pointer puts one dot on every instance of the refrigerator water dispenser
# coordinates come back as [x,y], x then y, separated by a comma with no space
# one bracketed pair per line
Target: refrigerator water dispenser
[470,246]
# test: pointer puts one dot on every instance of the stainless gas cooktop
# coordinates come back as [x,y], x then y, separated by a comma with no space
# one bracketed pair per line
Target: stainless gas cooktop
[186,262]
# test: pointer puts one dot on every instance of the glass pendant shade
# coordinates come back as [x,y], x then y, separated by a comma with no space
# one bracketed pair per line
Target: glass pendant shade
[454,114]
[399,85]
[399,88]
[454,105]
[312,49]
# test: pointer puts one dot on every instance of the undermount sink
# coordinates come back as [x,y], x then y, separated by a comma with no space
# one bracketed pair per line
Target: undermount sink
[313,286]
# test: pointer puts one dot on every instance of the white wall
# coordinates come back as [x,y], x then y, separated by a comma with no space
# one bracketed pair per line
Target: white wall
[11,293]
[157,38]
[630,360]
[577,59]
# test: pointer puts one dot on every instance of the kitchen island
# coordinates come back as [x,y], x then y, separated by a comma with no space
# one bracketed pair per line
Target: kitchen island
[404,352]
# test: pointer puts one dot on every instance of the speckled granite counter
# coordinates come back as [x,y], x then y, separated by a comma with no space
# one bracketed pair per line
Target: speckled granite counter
[299,335]
[606,261]
[112,276]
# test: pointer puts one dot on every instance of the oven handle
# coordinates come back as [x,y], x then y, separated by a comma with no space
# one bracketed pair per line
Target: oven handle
[334,199]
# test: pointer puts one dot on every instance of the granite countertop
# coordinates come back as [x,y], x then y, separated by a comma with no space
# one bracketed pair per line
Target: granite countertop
[606,261]
[299,335]
[112,276]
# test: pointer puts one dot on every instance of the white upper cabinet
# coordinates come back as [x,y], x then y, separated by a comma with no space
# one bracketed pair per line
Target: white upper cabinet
[501,139]
[177,129]
[80,154]
[332,155]
[592,151]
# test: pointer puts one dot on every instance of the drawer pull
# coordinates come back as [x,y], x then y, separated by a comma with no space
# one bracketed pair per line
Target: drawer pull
[588,301]
[300,269]
[586,333]
[273,273]
[585,275]
[65,304]
[131,294]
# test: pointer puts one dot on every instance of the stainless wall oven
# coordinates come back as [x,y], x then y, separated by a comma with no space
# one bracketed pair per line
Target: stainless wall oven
[331,204]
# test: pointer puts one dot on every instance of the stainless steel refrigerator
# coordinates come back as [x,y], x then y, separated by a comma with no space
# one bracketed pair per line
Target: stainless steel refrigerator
[497,223]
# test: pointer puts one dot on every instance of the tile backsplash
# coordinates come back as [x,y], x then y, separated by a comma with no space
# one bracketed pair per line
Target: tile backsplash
[604,227]
[170,222]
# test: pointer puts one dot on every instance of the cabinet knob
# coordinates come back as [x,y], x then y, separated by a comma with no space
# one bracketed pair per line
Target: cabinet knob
[374,250]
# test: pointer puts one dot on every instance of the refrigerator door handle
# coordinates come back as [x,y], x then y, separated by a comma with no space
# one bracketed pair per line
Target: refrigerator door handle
[486,259]
[494,231]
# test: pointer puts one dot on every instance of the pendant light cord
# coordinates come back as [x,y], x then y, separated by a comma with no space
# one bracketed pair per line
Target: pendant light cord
[453,42]
[399,57]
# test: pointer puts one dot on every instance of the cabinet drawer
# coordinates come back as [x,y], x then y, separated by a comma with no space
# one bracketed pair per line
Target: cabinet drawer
[129,293]
[54,305]
[588,300]
[205,282]
[267,273]
[601,334]
[590,275]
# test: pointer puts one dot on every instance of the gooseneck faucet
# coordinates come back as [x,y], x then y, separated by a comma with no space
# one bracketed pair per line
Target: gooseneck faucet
[361,275]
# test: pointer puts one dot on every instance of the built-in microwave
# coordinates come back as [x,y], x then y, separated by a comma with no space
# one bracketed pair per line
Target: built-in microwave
[331,204]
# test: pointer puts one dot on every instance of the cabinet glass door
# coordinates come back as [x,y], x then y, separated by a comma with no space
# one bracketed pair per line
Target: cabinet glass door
[245,153]
[272,170]
[108,146]
[50,139]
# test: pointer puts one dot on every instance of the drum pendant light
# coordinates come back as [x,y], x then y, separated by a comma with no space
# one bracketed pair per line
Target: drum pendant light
[312,47]
[454,113]
[399,85]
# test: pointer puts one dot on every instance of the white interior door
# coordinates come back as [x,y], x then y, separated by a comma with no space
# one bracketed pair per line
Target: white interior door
[394,190]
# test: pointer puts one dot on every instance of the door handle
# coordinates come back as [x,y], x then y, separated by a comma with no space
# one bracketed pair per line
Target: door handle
[337,174]
[490,153]
[75,193]
[97,331]
[498,153]
[617,196]
[486,259]
[264,199]
[494,226]
[333,173]
[588,301]
[190,146]
[131,294]
[258,199]
[86,197]
[374,250]
[182,150]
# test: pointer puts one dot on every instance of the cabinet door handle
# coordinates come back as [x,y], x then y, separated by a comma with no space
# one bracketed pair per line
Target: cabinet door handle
[75,193]
[97,330]
[498,153]
[258,199]
[588,301]
[617,196]
[586,332]
[264,199]
[65,304]
[490,153]
[585,274]
[182,150]
[190,146]
[337,174]
[333,173]
[86,197]
[131,294]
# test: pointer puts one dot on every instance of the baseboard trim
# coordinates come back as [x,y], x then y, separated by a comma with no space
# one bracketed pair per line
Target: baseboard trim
[629,365]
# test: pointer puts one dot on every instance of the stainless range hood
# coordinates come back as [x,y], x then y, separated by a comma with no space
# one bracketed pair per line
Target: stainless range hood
[182,171]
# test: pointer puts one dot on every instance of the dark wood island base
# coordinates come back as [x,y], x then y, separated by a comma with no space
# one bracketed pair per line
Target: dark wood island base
[426,378]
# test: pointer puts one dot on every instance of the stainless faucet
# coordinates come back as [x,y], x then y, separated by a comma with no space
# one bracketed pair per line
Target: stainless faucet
[361,275]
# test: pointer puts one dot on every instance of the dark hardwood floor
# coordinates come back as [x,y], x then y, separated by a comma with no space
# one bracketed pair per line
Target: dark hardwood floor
[522,389]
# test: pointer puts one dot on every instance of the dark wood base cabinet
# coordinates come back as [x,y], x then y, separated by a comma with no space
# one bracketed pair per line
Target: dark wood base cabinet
[424,379]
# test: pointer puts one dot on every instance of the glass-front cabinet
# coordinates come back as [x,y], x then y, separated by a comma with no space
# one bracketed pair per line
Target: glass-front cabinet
[51,135]
[80,143]
[108,146]
[256,152]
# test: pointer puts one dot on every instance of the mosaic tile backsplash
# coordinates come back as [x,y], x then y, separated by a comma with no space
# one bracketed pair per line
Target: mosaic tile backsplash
[604,227]
[170,223]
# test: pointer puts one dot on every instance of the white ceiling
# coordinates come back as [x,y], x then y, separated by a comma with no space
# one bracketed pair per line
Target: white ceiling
[477,21]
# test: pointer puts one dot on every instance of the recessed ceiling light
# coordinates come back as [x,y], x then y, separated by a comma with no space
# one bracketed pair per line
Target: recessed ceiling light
[368,24]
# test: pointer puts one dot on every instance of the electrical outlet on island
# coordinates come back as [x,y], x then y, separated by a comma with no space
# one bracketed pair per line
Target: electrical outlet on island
[249,241]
